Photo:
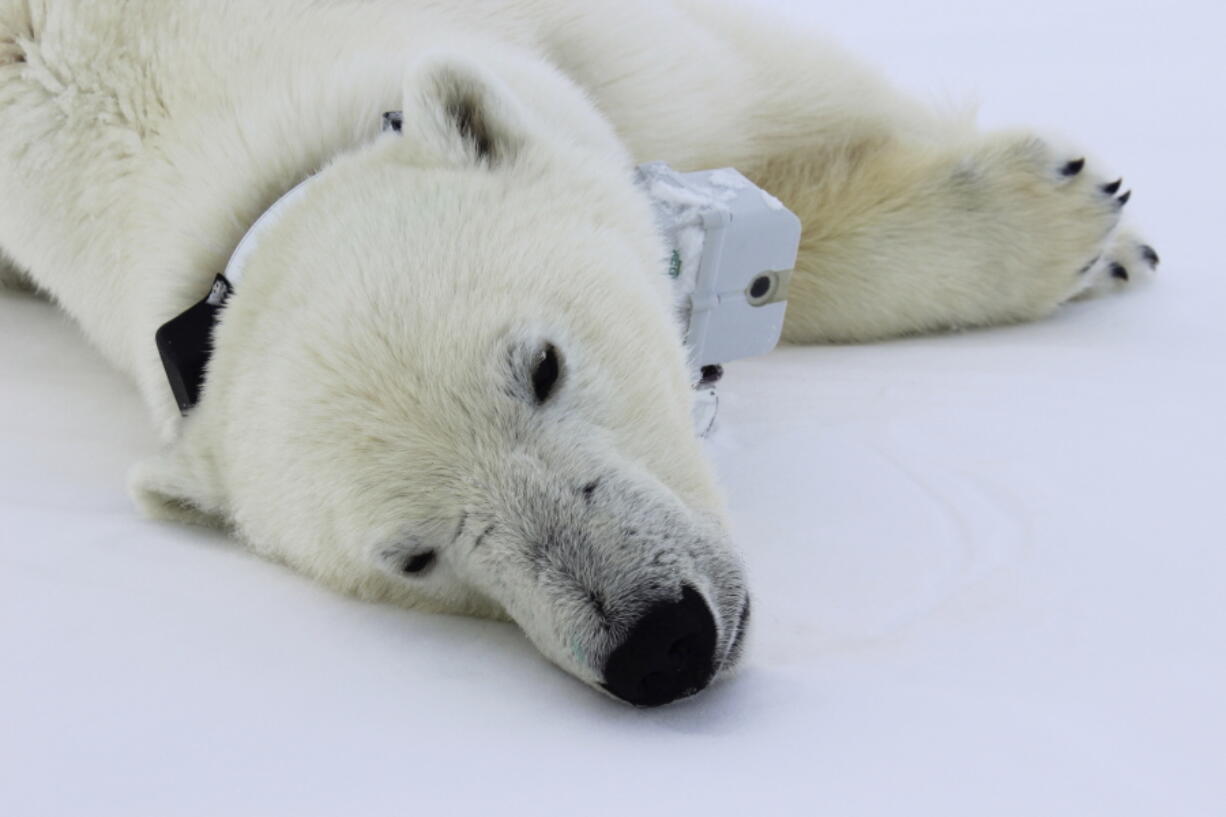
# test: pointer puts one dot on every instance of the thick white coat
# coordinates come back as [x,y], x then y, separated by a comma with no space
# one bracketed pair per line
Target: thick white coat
[370,397]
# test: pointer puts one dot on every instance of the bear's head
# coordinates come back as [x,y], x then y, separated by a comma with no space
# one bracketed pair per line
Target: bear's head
[452,378]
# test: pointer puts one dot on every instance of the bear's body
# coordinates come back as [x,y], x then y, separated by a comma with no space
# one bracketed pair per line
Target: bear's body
[349,424]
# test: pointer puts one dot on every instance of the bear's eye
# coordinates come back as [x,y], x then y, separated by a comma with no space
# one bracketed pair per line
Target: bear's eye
[546,370]
[419,562]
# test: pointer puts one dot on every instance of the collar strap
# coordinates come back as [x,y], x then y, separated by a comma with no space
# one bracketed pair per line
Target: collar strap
[185,342]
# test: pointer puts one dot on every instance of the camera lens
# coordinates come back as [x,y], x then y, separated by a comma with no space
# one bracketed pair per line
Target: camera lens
[762,289]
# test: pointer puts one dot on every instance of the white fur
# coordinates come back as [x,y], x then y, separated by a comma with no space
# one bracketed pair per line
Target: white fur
[370,394]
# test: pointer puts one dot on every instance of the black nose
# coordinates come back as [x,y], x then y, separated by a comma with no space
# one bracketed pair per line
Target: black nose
[669,654]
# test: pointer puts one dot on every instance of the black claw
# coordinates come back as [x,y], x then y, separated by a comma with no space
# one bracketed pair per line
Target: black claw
[1124,198]
[1119,271]
[1073,168]
[1150,255]
[1113,188]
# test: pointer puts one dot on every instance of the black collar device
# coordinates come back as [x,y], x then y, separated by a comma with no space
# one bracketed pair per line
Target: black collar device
[186,342]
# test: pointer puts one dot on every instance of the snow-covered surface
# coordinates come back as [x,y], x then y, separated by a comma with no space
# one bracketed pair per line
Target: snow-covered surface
[989,569]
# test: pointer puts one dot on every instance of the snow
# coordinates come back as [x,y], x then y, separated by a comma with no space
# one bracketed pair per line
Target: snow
[679,205]
[771,202]
[727,179]
[988,567]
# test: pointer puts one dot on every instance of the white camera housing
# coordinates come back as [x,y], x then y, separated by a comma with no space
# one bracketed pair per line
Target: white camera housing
[733,248]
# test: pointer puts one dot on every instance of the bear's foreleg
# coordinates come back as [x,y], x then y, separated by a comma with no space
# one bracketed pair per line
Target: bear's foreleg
[904,238]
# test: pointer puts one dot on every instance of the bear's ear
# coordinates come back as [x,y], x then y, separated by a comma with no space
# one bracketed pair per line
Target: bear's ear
[460,114]
[177,486]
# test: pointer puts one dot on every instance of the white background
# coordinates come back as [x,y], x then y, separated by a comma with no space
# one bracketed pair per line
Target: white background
[988,568]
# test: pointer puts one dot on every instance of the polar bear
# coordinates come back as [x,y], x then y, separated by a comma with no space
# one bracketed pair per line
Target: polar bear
[451,378]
